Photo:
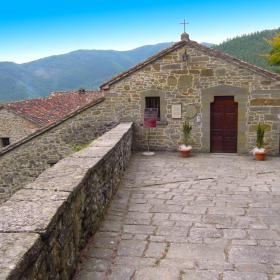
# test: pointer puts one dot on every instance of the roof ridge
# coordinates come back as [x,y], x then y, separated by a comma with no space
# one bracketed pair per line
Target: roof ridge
[52,94]
[225,55]
[193,44]
[43,111]
[51,125]
[143,63]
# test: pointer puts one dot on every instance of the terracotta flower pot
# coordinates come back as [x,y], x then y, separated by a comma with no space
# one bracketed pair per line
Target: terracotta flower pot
[260,156]
[185,153]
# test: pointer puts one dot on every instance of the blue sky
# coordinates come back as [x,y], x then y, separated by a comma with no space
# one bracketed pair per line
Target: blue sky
[32,29]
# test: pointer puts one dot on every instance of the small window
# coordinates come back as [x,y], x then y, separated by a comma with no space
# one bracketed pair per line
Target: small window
[5,141]
[153,102]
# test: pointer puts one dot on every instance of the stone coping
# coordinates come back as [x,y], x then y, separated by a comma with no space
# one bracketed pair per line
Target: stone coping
[202,48]
[36,212]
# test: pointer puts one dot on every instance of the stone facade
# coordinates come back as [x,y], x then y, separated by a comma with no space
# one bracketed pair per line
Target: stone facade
[44,225]
[14,127]
[24,161]
[194,83]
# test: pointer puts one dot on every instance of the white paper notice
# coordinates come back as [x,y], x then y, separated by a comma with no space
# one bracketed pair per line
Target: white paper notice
[177,111]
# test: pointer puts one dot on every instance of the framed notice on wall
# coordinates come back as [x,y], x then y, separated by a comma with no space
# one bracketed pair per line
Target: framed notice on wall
[176,111]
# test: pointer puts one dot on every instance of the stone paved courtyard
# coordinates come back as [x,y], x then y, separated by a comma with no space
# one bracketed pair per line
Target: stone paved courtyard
[208,217]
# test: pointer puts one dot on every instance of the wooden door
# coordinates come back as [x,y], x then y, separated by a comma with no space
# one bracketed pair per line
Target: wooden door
[223,125]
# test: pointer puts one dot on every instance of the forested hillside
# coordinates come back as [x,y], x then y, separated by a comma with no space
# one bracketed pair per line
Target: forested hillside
[251,48]
[89,68]
[81,68]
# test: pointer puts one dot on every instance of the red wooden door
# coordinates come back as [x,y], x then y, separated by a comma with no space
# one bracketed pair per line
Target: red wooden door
[223,125]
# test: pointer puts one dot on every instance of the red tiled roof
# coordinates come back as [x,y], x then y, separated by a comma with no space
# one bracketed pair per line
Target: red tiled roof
[202,48]
[45,111]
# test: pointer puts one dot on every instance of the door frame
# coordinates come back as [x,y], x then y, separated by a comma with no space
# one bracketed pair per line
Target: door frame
[241,96]
[211,121]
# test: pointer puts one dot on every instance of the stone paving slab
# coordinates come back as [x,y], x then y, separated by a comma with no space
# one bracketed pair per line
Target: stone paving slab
[207,217]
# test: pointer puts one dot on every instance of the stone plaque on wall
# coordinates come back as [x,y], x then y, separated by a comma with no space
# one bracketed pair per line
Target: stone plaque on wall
[176,111]
[191,111]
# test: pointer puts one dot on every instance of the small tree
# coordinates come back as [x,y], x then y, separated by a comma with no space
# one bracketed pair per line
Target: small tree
[187,128]
[260,136]
[274,54]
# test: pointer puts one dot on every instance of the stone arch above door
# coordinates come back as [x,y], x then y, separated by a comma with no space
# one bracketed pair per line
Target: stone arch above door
[241,96]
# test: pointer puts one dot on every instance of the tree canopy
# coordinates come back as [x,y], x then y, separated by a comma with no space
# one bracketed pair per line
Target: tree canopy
[274,54]
[253,48]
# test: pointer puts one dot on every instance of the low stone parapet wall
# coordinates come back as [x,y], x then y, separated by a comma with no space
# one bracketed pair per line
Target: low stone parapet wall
[44,226]
[23,161]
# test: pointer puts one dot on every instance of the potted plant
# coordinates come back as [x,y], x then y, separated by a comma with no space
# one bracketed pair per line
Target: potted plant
[185,148]
[259,151]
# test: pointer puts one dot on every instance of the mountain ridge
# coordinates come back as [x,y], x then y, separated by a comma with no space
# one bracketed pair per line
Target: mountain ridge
[79,68]
[90,68]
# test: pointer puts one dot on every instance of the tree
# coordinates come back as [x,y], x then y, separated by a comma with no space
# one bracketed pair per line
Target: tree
[274,54]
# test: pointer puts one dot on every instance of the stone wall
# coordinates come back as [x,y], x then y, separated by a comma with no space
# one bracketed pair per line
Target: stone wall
[22,162]
[14,126]
[44,225]
[265,108]
[188,83]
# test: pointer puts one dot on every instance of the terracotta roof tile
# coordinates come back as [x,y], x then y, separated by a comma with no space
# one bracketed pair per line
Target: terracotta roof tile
[45,111]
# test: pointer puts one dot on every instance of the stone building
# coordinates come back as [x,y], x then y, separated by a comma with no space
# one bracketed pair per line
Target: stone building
[20,119]
[54,211]
[223,98]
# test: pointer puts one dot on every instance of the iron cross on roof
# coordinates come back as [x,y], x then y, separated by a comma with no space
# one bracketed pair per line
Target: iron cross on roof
[185,23]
